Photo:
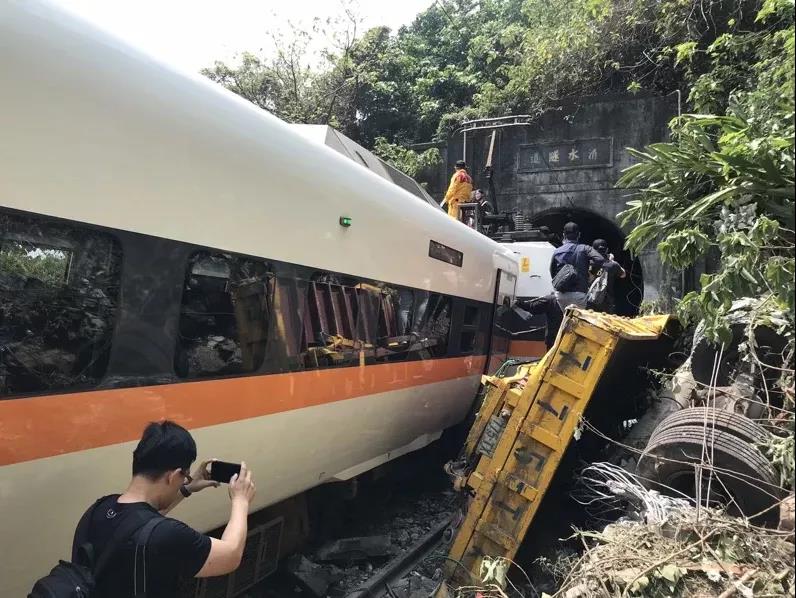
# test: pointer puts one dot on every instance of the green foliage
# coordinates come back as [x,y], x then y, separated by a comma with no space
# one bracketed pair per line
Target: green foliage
[634,87]
[684,52]
[780,452]
[407,160]
[725,184]
[463,59]
[49,266]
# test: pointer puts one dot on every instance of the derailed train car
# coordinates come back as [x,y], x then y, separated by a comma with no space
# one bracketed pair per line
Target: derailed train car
[168,250]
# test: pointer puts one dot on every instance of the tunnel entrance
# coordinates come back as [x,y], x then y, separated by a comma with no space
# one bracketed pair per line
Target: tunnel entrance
[629,291]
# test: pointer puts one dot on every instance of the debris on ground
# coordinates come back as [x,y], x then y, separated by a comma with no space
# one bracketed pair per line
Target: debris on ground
[405,522]
[670,547]
[786,514]
[353,550]
[340,567]
[312,577]
[414,585]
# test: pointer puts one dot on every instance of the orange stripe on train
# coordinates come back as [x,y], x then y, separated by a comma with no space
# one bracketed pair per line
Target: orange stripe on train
[527,348]
[44,426]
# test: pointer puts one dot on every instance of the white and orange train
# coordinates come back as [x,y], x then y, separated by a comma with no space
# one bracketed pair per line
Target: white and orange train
[168,250]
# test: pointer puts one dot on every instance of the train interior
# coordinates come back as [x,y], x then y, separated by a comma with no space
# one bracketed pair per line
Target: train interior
[58,299]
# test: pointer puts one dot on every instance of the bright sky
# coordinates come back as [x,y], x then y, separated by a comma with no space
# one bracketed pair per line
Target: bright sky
[191,34]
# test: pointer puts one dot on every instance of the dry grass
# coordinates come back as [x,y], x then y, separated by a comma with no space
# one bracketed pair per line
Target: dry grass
[685,556]
[668,547]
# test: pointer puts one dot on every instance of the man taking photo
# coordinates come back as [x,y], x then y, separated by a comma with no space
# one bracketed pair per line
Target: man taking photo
[161,479]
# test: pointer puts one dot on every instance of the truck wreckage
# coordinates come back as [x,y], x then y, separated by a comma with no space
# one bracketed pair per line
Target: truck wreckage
[529,413]
[527,420]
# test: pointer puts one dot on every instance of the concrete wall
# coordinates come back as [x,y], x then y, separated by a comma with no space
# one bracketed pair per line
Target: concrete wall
[569,160]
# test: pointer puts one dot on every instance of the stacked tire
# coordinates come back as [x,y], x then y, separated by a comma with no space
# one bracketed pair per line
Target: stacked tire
[715,454]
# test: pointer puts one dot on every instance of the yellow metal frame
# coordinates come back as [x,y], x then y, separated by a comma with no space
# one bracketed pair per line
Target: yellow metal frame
[543,404]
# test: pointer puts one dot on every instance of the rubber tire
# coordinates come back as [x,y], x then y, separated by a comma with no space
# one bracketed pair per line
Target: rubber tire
[734,423]
[671,458]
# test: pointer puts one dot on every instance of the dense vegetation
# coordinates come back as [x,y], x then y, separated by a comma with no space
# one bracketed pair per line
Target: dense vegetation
[725,184]
[724,187]
[469,58]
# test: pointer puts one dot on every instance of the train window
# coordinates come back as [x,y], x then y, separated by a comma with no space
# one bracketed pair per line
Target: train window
[224,315]
[349,322]
[286,339]
[471,315]
[467,342]
[397,338]
[469,333]
[59,292]
[431,322]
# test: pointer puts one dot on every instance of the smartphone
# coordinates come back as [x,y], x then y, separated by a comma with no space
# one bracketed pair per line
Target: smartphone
[221,471]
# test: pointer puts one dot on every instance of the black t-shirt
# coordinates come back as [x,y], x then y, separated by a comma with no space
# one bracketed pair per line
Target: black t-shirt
[174,550]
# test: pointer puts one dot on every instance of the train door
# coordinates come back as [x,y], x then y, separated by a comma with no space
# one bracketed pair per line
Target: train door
[501,337]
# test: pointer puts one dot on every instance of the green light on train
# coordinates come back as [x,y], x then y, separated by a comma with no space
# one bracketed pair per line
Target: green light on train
[345,221]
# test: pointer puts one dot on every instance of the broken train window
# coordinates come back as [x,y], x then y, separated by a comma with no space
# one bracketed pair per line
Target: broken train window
[59,293]
[422,322]
[431,323]
[349,322]
[340,321]
[224,315]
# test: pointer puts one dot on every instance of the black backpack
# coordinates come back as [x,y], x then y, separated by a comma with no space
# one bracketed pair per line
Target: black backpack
[74,580]
[566,279]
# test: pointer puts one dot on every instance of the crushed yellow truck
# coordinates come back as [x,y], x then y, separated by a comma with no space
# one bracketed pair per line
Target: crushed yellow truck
[527,419]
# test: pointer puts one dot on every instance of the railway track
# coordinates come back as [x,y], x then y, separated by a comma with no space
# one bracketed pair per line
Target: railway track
[380,584]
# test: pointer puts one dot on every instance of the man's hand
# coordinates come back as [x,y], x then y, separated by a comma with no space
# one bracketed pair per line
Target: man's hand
[201,477]
[226,554]
[241,486]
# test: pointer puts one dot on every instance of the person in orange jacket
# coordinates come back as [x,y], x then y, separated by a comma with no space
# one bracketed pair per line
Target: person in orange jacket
[459,190]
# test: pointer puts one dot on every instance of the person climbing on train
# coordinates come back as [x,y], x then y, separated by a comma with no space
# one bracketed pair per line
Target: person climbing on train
[569,268]
[161,479]
[601,291]
[459,189]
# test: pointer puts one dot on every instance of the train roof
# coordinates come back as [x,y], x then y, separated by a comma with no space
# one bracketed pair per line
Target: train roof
[97,131]
[346,146]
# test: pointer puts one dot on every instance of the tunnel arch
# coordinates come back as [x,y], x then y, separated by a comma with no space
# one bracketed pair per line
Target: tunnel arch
[629,292]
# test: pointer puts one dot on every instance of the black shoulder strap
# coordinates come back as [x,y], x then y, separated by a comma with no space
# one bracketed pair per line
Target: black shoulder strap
[139,570]
[131,522]
[569,256]
[82,549]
